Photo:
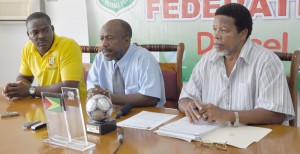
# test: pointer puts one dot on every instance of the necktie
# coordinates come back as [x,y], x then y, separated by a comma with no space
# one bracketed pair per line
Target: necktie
[117,81]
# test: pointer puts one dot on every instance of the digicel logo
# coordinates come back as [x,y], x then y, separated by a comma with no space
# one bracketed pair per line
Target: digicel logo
[272,43]
[116,7]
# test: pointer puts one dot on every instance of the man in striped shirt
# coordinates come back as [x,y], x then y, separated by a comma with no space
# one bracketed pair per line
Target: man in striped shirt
[238,81]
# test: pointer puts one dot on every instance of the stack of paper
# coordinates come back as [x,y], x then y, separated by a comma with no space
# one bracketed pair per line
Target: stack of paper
[146,120]
[183,129]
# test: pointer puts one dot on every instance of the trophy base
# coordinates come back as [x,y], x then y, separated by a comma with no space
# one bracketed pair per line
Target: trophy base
[101,127]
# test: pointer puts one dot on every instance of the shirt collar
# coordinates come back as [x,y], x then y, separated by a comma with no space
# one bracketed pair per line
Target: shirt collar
[55,42]
[123,61]
[246,51]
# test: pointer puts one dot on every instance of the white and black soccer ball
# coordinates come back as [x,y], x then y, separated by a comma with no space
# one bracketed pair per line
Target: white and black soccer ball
[99,107]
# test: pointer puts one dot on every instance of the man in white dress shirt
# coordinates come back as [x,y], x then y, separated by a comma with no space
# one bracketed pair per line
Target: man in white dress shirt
[238,81]
[140,81]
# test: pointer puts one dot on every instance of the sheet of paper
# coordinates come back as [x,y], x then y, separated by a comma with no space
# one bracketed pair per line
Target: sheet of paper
[146,120]
[185,137]
[240,137]
[183,126]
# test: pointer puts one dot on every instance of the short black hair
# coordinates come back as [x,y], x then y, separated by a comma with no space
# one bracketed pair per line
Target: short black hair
[240,13]
[37,15]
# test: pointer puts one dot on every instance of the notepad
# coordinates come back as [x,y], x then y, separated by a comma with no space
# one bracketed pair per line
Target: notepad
[183,129]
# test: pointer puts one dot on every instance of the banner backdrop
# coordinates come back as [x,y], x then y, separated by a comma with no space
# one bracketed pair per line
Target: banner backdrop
[275,23]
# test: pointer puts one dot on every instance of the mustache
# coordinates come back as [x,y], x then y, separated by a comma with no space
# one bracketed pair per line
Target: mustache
[41,40]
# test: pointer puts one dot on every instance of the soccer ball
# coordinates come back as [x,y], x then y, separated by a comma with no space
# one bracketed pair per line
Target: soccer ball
[99,107]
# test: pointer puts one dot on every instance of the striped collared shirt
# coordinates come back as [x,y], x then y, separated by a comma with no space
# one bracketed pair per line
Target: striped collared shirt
[256,81]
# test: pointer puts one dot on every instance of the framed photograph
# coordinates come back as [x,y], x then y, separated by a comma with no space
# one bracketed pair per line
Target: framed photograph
[19,10]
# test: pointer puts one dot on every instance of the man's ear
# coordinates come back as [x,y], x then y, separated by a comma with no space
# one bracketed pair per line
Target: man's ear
[27,33]
[52,27]
[243,34]
[127,39]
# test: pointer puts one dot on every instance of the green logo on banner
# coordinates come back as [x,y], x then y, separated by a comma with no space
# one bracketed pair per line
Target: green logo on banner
[116,7]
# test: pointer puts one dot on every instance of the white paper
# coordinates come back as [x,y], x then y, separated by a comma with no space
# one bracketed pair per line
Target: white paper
[197,129]
[146,120]
[185,137]
[185,130]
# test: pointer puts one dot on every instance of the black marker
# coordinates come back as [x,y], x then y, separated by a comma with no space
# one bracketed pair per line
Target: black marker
[39,125]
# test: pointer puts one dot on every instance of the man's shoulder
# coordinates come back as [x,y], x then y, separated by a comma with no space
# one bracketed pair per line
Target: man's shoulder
[63,39]
[141,52]
[262,52]
[62,42]
[261,56]
[29,46]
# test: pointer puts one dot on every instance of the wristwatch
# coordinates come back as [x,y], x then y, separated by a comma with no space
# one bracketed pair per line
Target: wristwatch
[237,120]
[32,90]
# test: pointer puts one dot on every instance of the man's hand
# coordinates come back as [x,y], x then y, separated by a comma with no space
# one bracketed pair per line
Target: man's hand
[209,112]
[214,113]
[18,89]
[97,90]
[194,111]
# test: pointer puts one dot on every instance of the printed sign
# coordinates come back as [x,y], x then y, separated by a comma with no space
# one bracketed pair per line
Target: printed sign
[275,24]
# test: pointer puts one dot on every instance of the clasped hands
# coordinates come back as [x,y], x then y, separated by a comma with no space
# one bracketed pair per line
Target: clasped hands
[17,89]
[196,111]
[97,90]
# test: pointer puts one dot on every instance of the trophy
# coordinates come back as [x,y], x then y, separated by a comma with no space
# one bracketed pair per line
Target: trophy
[99,107]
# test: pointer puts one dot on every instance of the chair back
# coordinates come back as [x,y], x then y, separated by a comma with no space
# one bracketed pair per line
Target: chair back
[89,49]
[172,71]
[292,78]
[87,66]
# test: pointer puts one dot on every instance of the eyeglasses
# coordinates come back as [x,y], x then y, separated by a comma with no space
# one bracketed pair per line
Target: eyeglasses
[219,146]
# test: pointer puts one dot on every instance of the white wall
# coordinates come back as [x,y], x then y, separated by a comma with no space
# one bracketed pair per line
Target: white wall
[12,37]
[69,18]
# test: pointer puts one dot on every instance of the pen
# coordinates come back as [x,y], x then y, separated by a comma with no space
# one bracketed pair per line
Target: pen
[195,108]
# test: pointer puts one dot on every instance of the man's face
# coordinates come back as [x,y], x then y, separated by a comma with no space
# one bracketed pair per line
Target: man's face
[227,40]
[41,33]
[113,41]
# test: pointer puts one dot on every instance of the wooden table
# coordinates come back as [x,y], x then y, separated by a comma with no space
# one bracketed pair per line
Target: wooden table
[15,140]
